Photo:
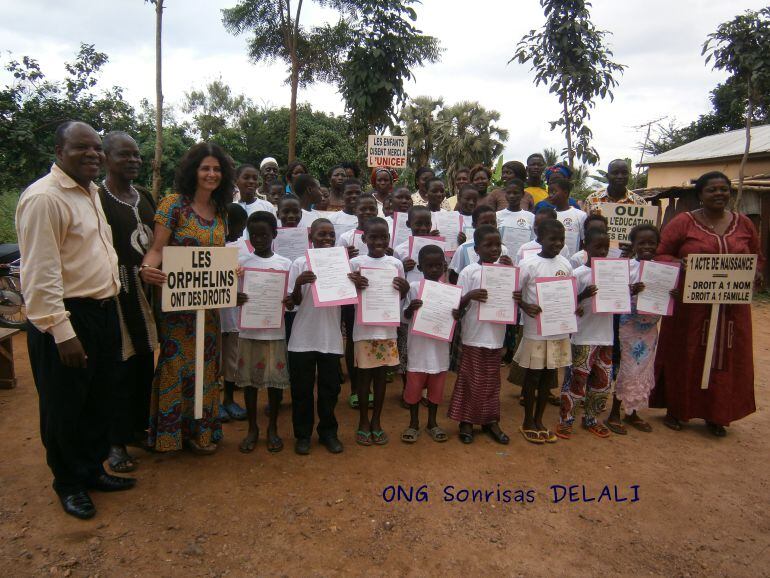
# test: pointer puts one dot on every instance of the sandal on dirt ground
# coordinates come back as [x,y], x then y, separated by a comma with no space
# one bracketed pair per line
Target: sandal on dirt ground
[531,436]
[564,431]
[598,429]
[120,461]
[274,443]
[672,423]
[466,437]
[364,438]
[638,423]
[379,437]
[235,411]
[248,443]
[353,401]
[499,436]
[716,429]
[548,436]
[410,435]
[616,427]
[200,450]
[222,414]
[437,434]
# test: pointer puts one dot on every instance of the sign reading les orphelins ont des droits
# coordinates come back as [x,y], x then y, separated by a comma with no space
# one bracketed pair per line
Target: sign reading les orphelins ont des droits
[622,217]
[385,151]
[726,279]
[199,278]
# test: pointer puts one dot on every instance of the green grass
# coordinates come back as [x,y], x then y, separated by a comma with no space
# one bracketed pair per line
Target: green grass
[8,201]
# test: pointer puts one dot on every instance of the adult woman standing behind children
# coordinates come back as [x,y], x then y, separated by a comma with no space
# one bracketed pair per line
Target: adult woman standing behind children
[193,216]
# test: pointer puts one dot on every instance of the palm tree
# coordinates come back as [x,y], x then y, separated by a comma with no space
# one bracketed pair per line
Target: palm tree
[417,122]
[551,157]
[467,134]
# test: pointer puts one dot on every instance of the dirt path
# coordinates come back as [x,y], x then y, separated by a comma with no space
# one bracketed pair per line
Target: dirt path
[702,507]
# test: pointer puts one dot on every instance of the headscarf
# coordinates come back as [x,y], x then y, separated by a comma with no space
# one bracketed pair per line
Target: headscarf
[557,170]
[392,172]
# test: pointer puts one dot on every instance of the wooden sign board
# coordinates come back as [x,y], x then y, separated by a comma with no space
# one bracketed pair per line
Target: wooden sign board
[199,278]
[726,279]
[385,151]
[623,217]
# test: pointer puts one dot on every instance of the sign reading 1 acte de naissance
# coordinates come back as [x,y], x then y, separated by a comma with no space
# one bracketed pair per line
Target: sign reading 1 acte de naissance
[386,151]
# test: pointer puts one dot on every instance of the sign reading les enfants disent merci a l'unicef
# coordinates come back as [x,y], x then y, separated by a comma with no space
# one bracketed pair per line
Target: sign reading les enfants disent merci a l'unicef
[199,278]
[385,151]
[726,279]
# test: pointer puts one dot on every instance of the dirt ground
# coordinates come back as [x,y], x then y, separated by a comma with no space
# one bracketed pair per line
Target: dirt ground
[701,510]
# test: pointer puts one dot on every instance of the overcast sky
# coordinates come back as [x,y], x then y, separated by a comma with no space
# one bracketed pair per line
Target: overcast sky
[659,40]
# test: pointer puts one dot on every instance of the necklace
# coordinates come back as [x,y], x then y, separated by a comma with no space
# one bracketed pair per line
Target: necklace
[707,221]
[122,202]
[141,238]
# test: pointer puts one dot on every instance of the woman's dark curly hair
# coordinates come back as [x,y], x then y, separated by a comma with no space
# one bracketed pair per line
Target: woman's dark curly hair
[290,169]
[186,179]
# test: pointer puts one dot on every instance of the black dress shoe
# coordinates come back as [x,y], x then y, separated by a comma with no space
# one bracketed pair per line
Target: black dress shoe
[499,436]
[108,483]
[302,446]
[333,444]
[78,505]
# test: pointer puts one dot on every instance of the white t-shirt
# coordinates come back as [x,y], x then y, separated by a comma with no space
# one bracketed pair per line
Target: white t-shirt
[346,240]
[277,263]
[253,207]
[343,222]
[369,332]
[525,249]
[424,355]
[402,254]
[307,219]
[466,255]
[530,269]
[228,316]
[573,220]
[474,332]
[506,218]
[314,328]
[593,328]
[579,259]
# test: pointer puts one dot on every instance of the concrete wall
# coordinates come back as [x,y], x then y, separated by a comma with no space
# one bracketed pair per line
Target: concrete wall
[682,173]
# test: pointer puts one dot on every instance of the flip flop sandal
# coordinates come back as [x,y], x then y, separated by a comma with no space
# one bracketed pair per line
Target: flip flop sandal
[222,415]
[353,401]
[274,444]
[639,424]
[599,430]
[499,436]
[410,435]
[364,438]
[121,462]
[548,436]
[616,427]
[437,434]
[247,445]
[531,436]
[564,431]
[379,438]
[235,411]
[466,437]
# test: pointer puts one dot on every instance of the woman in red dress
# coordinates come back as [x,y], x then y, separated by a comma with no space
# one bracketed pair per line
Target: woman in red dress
[682,346]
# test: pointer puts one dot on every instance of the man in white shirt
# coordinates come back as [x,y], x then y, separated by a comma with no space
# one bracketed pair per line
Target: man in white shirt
[70,272]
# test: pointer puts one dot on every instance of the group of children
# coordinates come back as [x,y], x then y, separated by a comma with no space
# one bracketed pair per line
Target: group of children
[561,241]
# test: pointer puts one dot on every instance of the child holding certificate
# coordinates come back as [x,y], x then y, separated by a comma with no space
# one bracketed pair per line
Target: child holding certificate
[476,396]
[228,318]
[262,352]
[374,344]
[638,335]
[590,380]
[366,208]
[593,221]
[541,356]
[533,247]
[466,253]
[428,359]
[315,348]
[419,222]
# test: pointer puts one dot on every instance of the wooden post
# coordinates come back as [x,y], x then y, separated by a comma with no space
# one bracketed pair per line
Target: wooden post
[200,337]
[710,342]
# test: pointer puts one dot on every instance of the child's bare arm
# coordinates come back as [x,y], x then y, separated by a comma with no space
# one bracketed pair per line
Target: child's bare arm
[589,291]
[412,307]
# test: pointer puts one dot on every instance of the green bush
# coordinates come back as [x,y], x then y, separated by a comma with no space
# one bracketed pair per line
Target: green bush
[8,202]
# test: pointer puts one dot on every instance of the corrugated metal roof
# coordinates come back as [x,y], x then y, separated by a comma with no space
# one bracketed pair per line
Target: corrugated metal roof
[728,144]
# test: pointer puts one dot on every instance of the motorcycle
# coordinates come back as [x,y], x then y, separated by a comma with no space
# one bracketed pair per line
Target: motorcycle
[13,311]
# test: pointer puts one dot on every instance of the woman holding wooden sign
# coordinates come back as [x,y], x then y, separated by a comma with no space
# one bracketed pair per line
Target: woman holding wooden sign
[711,229]
[193,216]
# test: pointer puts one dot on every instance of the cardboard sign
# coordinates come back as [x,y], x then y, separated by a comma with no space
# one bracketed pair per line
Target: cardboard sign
[199,278]
[388,152]
[725,279]
[624,217]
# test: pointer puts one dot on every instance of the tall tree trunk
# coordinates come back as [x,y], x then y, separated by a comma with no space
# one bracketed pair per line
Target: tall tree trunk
[158,102]
[742,169]
[568,132]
